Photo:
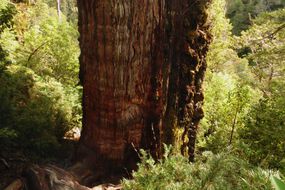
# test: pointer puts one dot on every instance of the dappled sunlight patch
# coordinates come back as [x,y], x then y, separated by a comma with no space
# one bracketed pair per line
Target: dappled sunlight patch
[73,134]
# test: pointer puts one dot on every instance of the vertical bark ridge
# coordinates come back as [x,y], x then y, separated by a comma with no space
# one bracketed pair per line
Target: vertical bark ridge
[174,32]
[153,132]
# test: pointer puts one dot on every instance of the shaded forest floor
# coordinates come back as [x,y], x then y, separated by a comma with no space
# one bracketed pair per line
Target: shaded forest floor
[17,170]
[14,161]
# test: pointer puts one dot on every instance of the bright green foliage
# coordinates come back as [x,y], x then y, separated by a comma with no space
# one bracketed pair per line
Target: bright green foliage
[264,131]
[228,94]
[227,102]
[244,97]
[244,90]
[221,171]
[6,16]
[54,52]
[264,46]
[221,31]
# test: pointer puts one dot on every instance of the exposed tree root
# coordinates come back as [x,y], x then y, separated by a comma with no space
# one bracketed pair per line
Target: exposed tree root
[50,177]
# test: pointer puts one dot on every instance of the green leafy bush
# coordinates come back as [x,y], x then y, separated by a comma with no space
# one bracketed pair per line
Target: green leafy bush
[7,11]
[38,40]
[221,171]
[35,112]
[264,132]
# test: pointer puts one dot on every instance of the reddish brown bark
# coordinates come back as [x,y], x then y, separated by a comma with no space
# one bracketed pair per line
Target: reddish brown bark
[121,66]
[142,66]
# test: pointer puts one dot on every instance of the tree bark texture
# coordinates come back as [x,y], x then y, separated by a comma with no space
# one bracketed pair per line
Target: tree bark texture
[189,58]
[121,66]
[142,65]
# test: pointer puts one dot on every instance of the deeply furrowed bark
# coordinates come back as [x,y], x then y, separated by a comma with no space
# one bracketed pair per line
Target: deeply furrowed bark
[121,72]
[142,66]
[194,47]
[188,36]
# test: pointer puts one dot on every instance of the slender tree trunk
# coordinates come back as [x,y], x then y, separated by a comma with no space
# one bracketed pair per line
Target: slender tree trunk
[142,66]
[233,126]
[58,10]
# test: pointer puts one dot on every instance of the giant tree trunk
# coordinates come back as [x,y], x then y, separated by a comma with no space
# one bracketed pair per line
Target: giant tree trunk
[120,71]
[142,66]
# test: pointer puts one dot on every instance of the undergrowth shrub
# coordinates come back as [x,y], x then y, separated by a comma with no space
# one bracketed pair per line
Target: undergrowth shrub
[35,112]
[221,171]
[264,132]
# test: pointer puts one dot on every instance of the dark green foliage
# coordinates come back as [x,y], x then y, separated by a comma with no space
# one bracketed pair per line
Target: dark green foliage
[241,12]
[7,11]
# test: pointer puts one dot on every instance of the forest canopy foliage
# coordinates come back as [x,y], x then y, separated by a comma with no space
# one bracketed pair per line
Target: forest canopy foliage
[241,139]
